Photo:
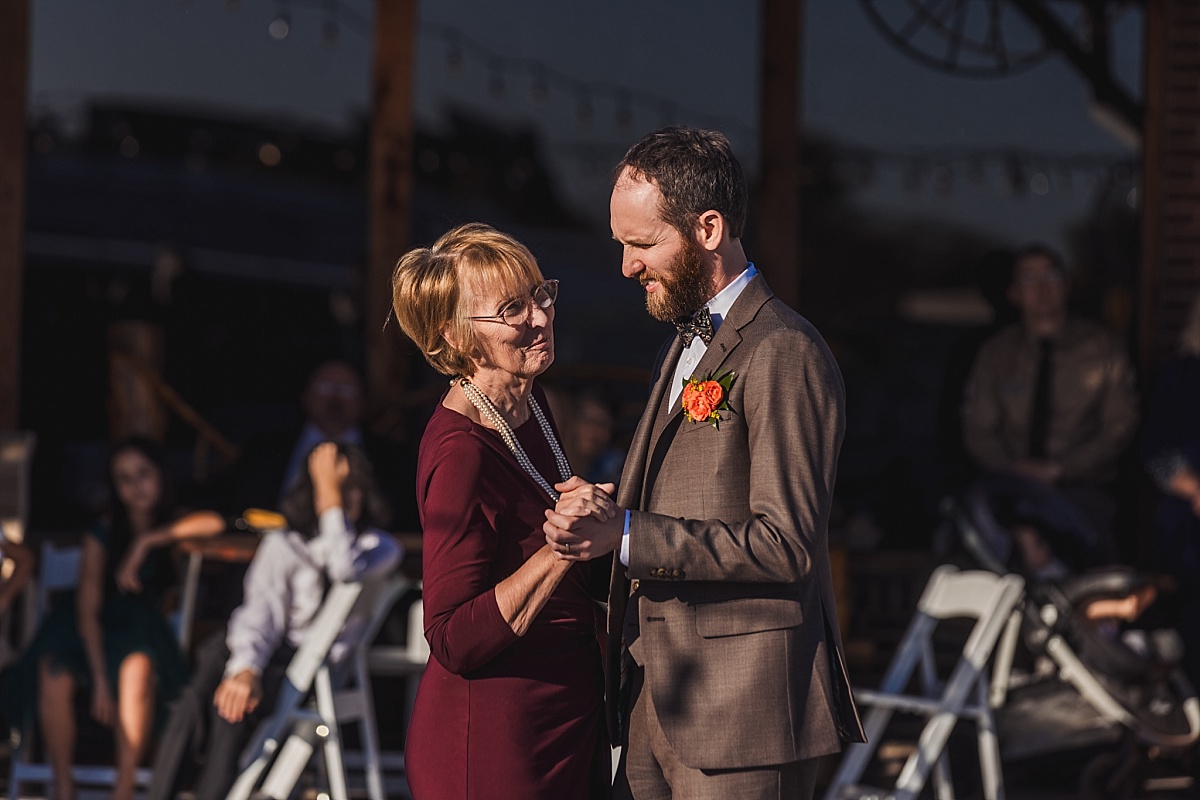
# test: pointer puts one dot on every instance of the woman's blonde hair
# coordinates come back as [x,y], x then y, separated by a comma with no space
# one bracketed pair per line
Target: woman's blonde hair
[432,288]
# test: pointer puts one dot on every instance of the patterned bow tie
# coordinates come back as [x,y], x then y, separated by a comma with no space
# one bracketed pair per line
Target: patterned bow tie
[699,324]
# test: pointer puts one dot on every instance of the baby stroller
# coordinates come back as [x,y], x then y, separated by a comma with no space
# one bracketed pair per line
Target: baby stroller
[1081,637]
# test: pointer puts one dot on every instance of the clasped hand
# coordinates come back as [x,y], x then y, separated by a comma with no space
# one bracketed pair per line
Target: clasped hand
[585,523]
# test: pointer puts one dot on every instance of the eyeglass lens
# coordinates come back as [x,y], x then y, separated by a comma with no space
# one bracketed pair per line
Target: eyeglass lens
[543,297]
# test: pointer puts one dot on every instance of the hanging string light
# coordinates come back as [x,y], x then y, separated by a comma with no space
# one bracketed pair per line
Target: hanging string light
[281,26]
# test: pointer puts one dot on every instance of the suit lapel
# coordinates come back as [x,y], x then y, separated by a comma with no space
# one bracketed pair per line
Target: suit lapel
[729,335]
[633,475]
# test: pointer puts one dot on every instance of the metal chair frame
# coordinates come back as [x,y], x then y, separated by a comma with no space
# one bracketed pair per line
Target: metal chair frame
[992,600]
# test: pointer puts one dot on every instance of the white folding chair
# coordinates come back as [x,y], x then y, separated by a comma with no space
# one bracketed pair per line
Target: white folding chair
[989,599]
[286,741]
[58,570]
[407,662]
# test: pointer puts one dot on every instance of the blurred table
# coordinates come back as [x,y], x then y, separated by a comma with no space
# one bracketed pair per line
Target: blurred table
[229,548]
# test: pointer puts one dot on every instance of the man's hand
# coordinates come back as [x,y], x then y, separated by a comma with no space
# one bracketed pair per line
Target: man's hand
[586,523]
[238,696]
[578,498]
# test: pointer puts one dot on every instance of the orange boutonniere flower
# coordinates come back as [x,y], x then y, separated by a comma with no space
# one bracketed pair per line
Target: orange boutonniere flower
[705,398]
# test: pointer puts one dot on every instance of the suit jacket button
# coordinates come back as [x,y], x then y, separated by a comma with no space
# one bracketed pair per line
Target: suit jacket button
[676,573]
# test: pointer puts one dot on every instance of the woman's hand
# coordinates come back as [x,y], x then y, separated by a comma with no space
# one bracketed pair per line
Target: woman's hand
[127,572]
[578,498]
[104,707]
[238,696]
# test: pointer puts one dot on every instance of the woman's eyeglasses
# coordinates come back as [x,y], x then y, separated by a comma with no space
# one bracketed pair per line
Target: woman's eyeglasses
[516,312]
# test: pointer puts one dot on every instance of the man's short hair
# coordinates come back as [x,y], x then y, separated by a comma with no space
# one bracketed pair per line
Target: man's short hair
[1042,251]
[696,171]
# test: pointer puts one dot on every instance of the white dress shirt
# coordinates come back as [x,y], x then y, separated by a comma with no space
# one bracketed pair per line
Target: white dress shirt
[285,585]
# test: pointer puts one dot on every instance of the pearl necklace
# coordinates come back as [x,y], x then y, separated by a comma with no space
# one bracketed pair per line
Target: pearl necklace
[492,414]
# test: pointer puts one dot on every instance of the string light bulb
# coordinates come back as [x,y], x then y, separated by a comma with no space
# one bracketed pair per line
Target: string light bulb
[280,27]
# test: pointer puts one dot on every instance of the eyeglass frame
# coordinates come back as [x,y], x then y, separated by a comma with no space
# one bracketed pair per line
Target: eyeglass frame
[550,286]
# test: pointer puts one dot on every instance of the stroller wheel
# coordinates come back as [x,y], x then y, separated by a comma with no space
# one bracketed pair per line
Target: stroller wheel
[1111,776]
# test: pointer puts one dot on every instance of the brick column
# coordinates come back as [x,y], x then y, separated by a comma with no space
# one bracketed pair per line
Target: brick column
[1170,268]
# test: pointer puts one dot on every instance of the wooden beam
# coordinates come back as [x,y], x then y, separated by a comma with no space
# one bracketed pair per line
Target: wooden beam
[779,199]
[1154,72]
[14,99]
[390,190]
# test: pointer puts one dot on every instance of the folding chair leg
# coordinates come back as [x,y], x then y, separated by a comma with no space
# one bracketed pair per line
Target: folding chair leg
[289,766]
[335,770]
[989,748]
[856,756]
[943,784]
[370,737]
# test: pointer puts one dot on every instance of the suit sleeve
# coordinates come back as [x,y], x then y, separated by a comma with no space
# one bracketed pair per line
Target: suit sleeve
[1118,412]
[981,413]
[462,620]
[793,402]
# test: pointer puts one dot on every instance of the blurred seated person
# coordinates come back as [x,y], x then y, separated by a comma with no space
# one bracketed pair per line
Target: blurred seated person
[111,638]
[1051,397]
[332,404]
[1171,453]
[332,512]
[590,441]
[18,560]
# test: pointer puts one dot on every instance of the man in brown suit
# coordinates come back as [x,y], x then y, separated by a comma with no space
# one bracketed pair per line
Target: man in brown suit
[726,676]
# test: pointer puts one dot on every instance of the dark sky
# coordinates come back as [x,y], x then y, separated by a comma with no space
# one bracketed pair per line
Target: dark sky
[631,65]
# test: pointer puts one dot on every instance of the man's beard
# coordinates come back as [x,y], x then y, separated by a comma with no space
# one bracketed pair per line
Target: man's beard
[684,291]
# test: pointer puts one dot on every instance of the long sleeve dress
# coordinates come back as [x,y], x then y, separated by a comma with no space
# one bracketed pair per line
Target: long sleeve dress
[497,715]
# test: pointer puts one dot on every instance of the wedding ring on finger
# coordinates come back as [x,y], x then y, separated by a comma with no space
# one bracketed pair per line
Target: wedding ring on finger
[567,548]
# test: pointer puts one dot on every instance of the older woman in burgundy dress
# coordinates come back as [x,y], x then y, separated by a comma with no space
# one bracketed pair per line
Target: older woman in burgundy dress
[510,705]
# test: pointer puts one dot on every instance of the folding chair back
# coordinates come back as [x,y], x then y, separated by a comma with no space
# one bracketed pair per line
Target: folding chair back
[285,742]
[991,600]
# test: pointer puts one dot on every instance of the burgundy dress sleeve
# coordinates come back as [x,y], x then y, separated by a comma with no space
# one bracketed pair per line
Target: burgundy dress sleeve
[463,623]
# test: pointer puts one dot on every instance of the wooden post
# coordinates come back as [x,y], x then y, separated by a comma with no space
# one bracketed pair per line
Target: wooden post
[1170,268]
[390,189]
[779,201]
[14,98]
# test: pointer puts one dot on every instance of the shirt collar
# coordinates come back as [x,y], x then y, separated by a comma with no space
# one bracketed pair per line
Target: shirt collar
[719,306]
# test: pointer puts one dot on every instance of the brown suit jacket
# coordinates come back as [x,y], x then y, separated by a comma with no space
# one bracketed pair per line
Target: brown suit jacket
[733,620]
